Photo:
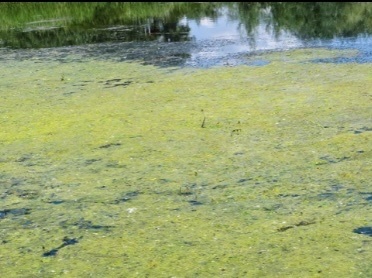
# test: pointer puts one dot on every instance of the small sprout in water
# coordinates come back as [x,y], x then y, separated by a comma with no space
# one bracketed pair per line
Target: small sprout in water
[203,123]
[63,77]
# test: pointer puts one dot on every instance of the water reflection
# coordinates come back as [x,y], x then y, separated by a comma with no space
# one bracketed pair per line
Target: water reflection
[193,34]
[221,40]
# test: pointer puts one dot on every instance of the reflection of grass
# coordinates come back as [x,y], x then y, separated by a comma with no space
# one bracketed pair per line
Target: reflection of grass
[20,14]
[13,15]
[106,165]
[35,25]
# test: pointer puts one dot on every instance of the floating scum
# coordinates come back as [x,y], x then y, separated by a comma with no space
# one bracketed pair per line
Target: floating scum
[124,170]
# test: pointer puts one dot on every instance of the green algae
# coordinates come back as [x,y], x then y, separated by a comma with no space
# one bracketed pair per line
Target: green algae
[306,54]
[271,186]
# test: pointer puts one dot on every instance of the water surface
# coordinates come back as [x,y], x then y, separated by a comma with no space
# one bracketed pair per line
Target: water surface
[184,34]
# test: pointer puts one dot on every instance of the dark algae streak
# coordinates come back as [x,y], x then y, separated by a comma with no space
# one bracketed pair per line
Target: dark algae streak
[66,241]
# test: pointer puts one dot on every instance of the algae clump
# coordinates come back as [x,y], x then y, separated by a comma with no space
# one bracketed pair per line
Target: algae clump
[133,171]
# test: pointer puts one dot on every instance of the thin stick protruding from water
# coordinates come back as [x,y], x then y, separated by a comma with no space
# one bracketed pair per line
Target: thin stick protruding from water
[203,123]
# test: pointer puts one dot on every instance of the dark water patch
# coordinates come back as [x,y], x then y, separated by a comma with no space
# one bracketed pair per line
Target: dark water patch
[88,225]
[56,202]
[189,243]
[68,93]
[114,164]
[16,181]
[273,207]
[361,130]
[195,203]
[30,159]
[244,180]
[236,131]
[289,195]
[21,193]
[50,253]
[126,197]
[299,224]
[110,80]
[326,195]
[115,83]
[14,212]
[124,84]
[132,194]
[368,198]
[24,158]
[66,241]
[363,231]
[187,189]
[220,186]
[79,85]
[283,229]
[164,180]
[336,187]
[109,145]
[91,161]
[330,159]
[28,194]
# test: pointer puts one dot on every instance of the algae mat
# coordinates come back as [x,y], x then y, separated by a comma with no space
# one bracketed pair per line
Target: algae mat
[123,170]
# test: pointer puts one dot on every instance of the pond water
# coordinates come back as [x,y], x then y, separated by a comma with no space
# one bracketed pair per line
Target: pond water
[193,34]
[185,140]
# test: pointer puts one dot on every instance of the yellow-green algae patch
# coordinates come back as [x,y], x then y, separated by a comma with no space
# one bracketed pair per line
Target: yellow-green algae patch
[224,172]
[306,54]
